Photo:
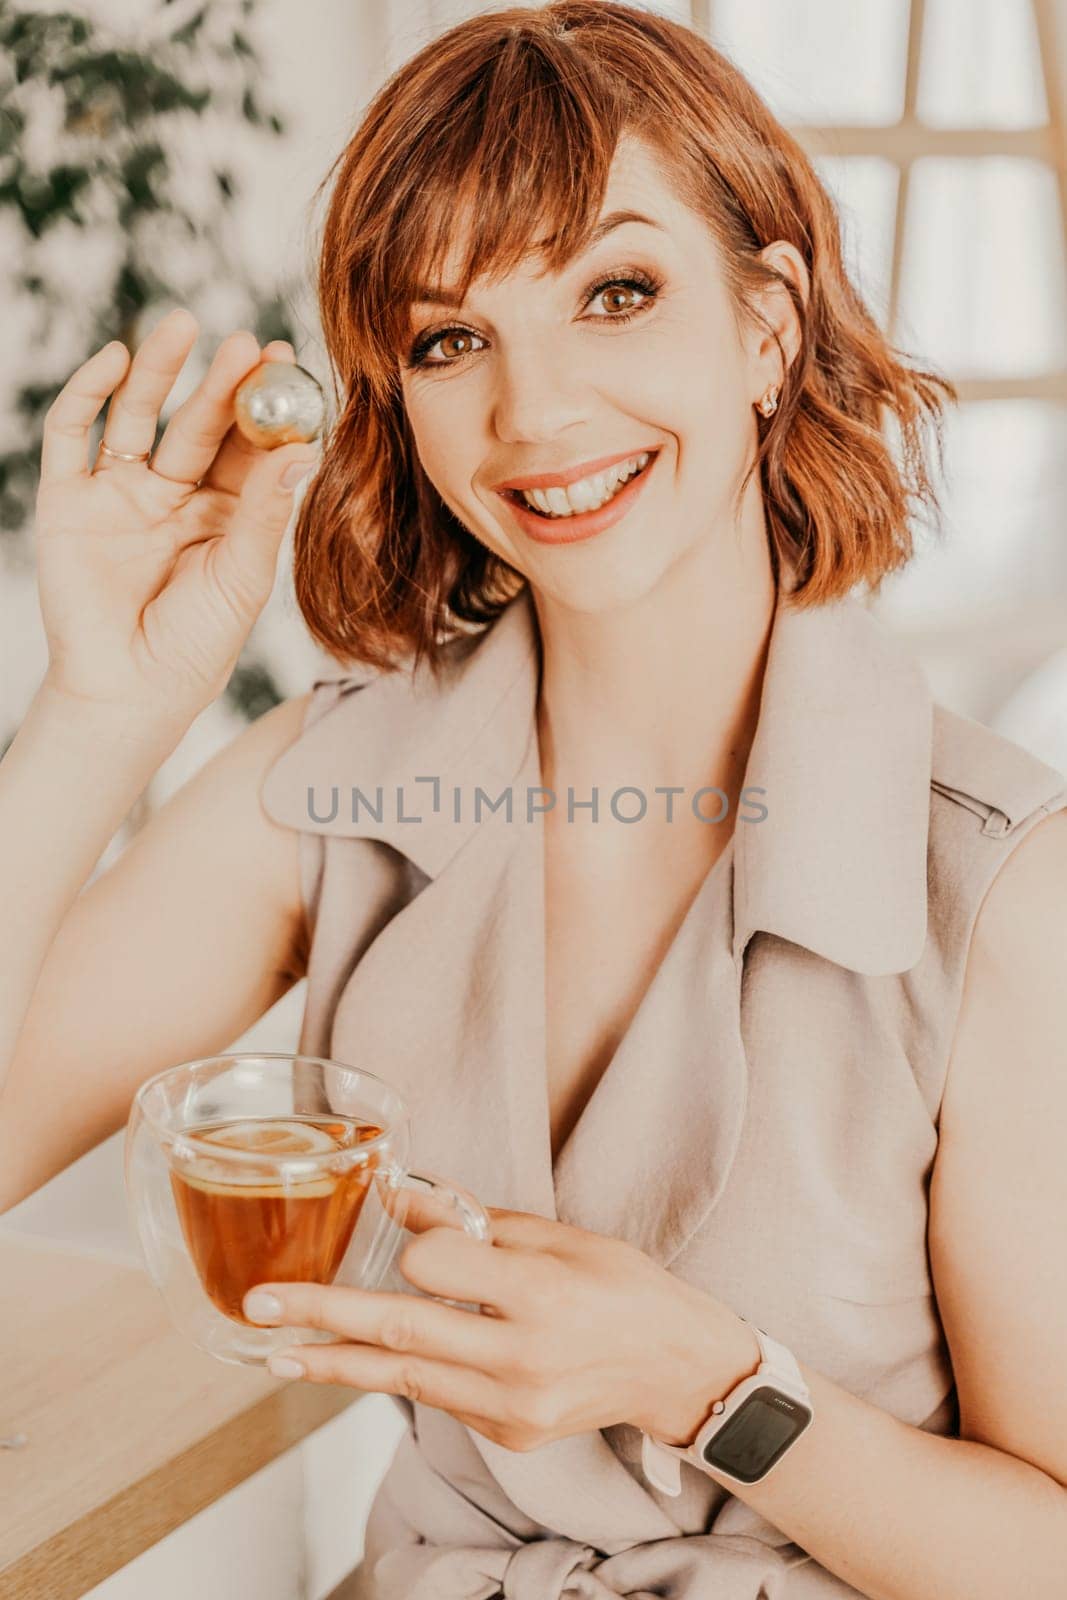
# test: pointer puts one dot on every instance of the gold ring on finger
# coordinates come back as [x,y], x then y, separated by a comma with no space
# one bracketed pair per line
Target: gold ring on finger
[121,455]
[179,483]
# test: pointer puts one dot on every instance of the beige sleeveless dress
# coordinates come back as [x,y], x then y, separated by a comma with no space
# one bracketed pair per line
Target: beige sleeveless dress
[768,1124]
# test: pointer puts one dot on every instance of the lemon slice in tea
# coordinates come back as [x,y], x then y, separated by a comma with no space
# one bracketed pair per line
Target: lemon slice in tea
[272,1136]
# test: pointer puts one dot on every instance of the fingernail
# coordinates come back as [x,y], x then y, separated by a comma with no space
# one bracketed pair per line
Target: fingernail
[262,1307]
[295,471]
[285,1367]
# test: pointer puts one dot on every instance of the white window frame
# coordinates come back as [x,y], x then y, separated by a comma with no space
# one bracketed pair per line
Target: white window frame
[904,142]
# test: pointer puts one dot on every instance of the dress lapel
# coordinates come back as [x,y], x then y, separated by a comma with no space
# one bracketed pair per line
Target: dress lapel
[651,1153]
[838,865]
[449,1000]
[843,745]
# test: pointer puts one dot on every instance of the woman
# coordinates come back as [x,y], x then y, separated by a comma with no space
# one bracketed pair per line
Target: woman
[677,997]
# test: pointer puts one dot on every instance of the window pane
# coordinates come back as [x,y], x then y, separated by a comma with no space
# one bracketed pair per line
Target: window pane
[983,290]
[1035,713]
[981,65]
[822,61]
[1003,494]
[865,189]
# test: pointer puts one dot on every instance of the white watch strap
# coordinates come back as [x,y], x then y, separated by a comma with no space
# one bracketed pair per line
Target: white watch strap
[662,1463]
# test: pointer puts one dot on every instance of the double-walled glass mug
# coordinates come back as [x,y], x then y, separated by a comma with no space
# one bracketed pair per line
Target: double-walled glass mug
[273,1168]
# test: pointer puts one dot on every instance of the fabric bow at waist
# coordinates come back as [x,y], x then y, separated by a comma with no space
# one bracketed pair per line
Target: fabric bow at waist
[693,1567]
[426,1540]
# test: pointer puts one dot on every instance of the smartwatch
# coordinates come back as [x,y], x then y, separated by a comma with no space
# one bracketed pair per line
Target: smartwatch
[746,1432]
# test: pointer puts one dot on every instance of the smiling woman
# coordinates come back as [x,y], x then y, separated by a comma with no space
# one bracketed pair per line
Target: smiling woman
[766,1313]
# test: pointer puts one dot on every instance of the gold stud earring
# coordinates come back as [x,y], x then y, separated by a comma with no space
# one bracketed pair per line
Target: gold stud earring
[769,404]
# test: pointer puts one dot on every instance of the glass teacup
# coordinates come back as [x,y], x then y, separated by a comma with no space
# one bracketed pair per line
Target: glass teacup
[271,1168]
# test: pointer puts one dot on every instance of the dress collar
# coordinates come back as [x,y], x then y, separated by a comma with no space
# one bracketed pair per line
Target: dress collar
[843,745]
[842,750]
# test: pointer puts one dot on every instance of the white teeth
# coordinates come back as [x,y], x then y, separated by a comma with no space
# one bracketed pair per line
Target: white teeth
[588,493]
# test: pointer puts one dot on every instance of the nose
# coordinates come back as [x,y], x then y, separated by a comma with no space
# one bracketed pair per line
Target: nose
[538,395]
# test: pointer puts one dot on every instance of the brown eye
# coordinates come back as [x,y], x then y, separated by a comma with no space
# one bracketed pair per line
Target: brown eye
[628,284]
[621,289]
[452,338]
[419,356]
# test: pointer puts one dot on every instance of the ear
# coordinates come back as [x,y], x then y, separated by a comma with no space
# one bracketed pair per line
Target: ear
[775,305]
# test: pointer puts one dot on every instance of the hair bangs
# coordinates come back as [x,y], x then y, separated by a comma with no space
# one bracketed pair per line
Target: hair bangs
[521,174]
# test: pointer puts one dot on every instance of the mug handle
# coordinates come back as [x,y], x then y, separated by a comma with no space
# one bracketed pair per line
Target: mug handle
[438,1193]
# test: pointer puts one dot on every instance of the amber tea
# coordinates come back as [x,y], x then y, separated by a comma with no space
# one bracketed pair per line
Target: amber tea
[242,1230]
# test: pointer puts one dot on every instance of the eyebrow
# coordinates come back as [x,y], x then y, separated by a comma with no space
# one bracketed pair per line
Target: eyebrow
[442,295]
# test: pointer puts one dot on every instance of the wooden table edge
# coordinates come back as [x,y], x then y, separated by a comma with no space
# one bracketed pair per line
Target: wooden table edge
[69,1563]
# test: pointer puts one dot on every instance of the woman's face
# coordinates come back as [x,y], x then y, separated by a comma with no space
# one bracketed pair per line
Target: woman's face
[632,348]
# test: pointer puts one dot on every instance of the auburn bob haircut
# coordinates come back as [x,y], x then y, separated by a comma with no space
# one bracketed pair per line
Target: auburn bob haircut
[510,120]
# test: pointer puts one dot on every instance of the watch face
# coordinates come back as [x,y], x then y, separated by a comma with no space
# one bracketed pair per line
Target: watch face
[759,1431]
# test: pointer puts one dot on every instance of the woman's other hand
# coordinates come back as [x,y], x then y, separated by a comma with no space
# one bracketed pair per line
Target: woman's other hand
[152,573]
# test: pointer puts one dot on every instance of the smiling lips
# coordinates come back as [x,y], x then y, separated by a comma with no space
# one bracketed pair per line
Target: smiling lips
[587,493]
[563,515]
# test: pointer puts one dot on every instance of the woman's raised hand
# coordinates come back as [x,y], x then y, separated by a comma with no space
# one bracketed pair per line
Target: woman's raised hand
[151,573]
